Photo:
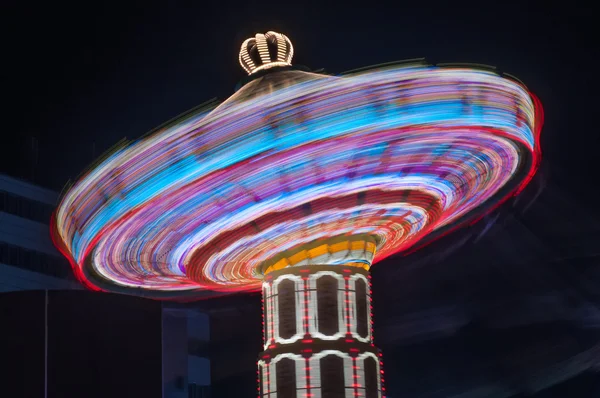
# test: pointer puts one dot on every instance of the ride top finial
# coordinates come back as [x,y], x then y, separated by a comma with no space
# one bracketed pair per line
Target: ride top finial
[264,51]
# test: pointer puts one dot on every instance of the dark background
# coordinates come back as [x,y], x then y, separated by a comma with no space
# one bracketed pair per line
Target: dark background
[507,308]
[91,345]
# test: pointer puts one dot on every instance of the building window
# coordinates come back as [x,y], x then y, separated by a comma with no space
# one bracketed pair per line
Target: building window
[196,391]
[26,208]
[35,261]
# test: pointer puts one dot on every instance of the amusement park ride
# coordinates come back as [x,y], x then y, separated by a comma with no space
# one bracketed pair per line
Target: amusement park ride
[295,186]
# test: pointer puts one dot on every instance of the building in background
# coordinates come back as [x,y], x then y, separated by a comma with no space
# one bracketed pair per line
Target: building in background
[186,363]
[28,259]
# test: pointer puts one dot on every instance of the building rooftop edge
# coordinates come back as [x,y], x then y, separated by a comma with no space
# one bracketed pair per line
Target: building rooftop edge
[27,189]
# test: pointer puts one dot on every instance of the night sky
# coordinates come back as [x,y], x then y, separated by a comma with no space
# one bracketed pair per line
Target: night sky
[79,77]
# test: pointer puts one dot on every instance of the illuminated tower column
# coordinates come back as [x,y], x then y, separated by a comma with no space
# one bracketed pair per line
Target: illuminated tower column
[317,334]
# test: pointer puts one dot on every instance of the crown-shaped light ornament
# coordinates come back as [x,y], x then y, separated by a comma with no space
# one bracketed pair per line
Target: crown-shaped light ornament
[264,51]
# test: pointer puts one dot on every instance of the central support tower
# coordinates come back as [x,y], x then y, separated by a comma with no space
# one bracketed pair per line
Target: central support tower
[317,330]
